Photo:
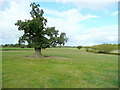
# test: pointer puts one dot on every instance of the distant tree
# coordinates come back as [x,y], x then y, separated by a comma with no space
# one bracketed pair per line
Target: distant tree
[62,39]
[79,47]
[6,45]
[35,32]
[16,45]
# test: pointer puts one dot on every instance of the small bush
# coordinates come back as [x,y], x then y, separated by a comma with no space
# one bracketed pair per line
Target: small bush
[87,48]
[79,47]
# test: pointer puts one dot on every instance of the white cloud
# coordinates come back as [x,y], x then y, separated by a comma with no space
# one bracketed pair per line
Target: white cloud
[68,22]
[8,18]
[115,13]
[65,21]
[107,34]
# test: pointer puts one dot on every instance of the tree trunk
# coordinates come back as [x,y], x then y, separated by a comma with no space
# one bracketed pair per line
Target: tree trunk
[38,52]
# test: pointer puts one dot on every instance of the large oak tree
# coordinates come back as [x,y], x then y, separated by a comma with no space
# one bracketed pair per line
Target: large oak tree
[36,33]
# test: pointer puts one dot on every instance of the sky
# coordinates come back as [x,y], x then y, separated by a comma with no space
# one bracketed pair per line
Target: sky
[85,23]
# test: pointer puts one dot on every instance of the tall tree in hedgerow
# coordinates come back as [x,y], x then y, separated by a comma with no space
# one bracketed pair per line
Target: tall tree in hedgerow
[36,33]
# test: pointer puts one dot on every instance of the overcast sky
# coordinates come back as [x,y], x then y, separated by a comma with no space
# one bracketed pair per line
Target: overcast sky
[85,23]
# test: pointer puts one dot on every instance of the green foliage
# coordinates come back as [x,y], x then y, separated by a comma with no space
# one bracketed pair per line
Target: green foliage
[62,39]
[53,35]
[35,32]
[11,45]
[87,48]
[79,47]
[105,48]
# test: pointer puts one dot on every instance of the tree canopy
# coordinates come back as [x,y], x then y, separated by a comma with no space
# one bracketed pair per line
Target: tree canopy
[37,33]
[79,47]
[62,39]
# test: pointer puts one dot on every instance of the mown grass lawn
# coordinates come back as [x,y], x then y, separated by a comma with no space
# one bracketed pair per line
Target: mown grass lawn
[66,68]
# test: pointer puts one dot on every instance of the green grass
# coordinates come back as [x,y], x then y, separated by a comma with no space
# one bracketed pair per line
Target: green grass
[66,68]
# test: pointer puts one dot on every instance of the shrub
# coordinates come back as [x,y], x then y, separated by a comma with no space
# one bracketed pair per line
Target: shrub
[105,48]
[87,48]
[79,47]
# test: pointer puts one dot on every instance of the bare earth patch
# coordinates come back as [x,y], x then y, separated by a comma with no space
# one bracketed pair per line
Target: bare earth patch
[49,57]
[63,58]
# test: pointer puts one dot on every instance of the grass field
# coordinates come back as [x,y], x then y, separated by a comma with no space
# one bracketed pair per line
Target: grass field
[65,68]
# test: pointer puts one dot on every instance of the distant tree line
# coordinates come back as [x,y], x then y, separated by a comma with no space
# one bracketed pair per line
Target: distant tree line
[15,45]
[28,46]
